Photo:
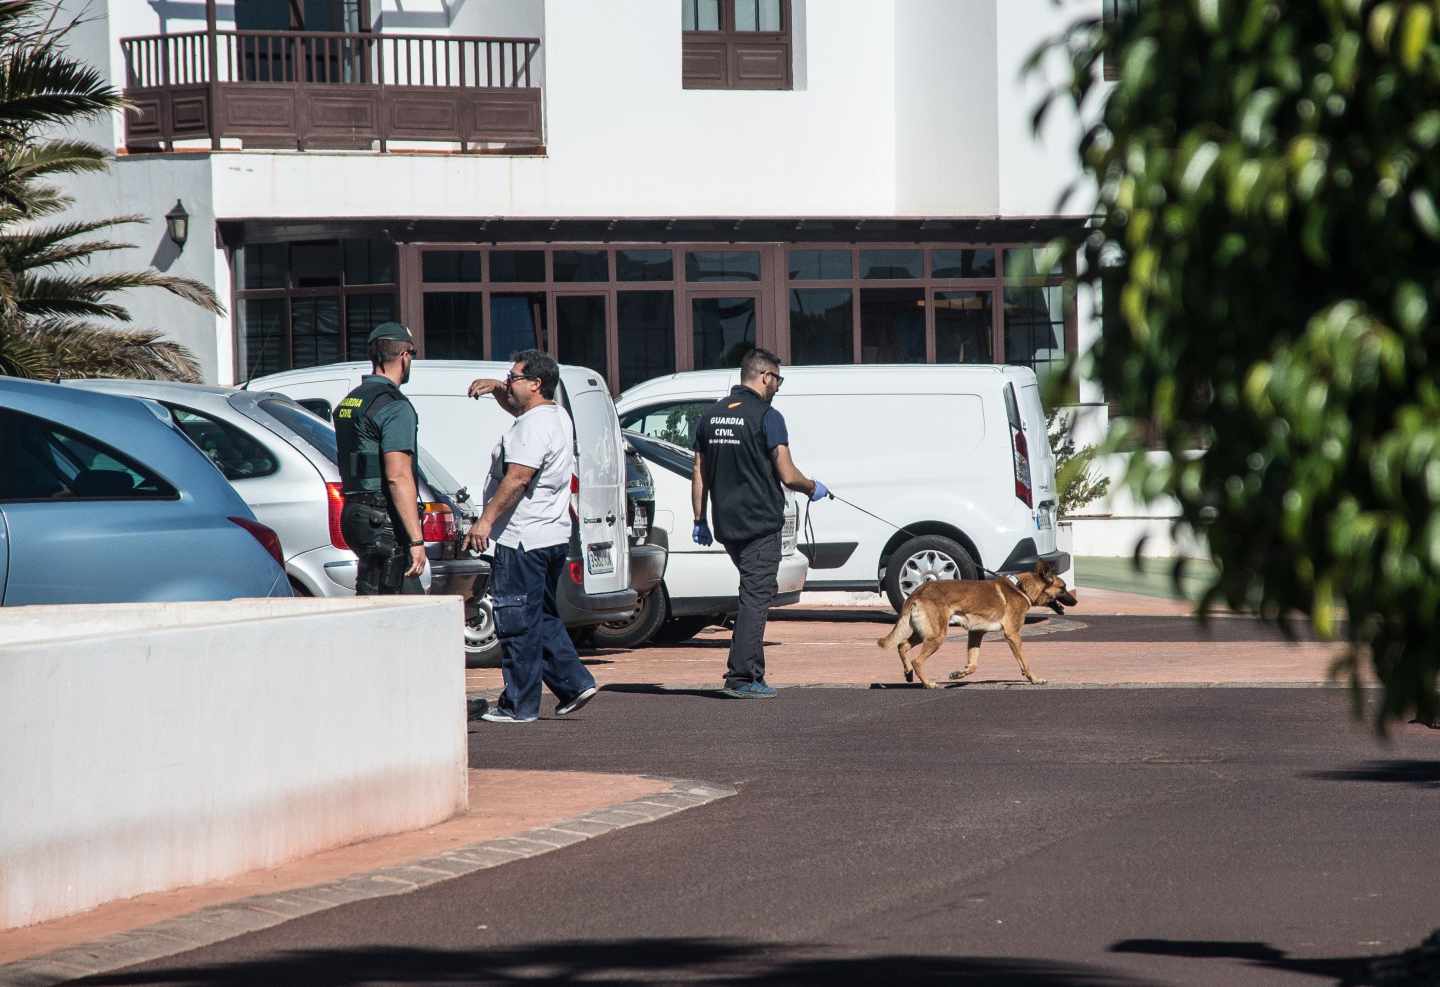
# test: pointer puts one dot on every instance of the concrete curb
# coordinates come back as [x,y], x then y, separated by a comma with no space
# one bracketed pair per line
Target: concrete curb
[220,922]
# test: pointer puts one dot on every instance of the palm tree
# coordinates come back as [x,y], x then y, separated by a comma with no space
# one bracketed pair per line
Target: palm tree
[56,318]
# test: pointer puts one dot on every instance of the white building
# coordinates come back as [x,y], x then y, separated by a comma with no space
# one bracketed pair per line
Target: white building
[640,187]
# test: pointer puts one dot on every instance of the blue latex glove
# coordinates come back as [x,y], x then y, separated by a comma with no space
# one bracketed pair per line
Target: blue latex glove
[701,535]
[821,492]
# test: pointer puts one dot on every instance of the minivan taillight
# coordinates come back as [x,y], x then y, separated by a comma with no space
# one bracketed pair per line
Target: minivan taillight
[335,500]
[574,499]
[267,538]
[577,573]
[1022,468]
[437,522]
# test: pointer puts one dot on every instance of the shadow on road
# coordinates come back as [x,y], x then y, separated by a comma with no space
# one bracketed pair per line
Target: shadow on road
[718,962]
[1422,774]
[647,689]
[1418,967]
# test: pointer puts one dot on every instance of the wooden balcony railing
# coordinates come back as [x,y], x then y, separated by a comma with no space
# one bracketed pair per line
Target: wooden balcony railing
[320,89]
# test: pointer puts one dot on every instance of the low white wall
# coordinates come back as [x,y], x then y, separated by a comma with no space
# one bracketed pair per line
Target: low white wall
[152,747]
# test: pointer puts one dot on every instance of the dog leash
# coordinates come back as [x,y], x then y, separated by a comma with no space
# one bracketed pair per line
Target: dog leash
[810,530]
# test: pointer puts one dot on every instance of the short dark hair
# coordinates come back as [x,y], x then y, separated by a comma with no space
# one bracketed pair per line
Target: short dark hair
[541,366]
[757,363]
[382,351]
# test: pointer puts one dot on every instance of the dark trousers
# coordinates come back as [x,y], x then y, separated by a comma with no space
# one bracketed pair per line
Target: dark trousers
[758,561]
[370,532]
[536,646]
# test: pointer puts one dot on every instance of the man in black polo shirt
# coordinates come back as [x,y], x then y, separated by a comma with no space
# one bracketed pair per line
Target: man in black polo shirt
[742,459]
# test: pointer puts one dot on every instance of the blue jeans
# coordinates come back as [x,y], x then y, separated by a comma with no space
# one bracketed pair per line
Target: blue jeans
[536,645]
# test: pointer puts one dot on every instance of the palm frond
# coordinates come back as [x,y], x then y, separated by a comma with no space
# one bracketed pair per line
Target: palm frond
[84,294]
[55,157]
[41,84]
[20,357]
[79,348]
[43,246]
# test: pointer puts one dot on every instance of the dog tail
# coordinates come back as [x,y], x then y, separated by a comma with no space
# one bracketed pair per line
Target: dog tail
[900,632]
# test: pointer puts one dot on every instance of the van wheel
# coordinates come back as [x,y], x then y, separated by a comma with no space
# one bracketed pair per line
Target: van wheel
[922,560]
[482,644]
[636,629]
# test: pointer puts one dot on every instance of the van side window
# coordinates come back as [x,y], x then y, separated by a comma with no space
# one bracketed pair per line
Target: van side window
[673,423]
[238,456]
[319,406]
[46,461]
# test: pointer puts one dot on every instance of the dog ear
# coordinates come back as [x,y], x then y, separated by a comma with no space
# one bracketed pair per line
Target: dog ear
[1045,569]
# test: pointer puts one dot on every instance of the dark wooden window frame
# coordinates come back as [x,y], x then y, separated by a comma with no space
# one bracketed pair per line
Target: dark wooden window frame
[740,60]
[772,290]
[344,291]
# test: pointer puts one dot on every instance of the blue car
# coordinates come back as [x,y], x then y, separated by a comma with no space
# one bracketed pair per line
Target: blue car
[104,500]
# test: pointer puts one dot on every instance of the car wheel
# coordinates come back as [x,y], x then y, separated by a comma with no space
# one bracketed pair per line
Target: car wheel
[636,629]
[922,560]
[679,629]
[482,644]
[297,588]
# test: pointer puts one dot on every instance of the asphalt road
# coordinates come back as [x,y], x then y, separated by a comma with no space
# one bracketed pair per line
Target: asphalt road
[1006,837]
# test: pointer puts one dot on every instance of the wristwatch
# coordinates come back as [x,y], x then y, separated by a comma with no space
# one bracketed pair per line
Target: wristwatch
[419,543]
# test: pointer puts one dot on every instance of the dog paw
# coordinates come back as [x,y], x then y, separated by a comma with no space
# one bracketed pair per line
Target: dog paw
[909,675]
[1037,681]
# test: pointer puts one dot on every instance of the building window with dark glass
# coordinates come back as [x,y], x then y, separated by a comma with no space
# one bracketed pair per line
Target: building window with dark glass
[736,44]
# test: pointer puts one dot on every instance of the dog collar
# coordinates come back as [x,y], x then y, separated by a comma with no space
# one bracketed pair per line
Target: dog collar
[1015,581]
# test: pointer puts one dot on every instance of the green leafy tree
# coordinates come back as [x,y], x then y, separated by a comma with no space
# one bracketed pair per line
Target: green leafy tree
[1076,482]
[1267,235]
[58,318]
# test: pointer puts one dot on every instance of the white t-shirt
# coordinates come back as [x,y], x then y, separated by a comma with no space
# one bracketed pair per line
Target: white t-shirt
[543,439]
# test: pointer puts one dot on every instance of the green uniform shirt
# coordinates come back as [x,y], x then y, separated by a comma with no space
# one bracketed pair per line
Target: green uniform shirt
[392,428]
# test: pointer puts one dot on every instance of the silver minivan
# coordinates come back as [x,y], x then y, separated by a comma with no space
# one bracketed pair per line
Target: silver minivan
[606,575]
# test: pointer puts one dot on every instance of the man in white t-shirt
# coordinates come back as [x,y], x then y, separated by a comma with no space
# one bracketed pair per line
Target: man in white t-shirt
[527,514]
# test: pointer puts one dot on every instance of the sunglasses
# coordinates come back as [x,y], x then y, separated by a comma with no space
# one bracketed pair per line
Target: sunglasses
[512,378]
[778,379]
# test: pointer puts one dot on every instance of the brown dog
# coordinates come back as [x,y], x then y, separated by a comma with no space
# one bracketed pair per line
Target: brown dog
[991,605]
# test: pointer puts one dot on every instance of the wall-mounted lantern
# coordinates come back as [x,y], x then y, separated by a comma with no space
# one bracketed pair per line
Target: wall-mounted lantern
[177,224]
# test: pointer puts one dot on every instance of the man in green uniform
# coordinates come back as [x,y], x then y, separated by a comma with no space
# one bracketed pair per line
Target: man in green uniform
[376,432]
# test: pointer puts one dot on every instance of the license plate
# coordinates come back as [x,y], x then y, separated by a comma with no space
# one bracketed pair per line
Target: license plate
[599,558]
[787,537]
[1043,520]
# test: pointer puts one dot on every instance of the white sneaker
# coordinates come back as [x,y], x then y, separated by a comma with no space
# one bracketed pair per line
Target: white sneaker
[577,702]
[505,716]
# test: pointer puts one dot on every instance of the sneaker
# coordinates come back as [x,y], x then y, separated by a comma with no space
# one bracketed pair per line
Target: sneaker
[577,702]
[749,690]
[505,716]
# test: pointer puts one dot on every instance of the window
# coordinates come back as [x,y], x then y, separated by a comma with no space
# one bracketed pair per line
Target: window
[517,322]
[722,265]
[582,265]
[310,302]
[892,325]
[517,265]
[670,422]
[644,265]
[451,266]
[820,265]
[724,331]
[454,325]
[1035,328]
[1116,12]
[46,461]
[963,326]
[320,435]
[735,44]
[646,324]
[821,326]
[234,453]
[580,331]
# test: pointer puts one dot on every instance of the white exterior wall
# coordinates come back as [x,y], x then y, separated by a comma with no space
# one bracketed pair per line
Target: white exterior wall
[144,748]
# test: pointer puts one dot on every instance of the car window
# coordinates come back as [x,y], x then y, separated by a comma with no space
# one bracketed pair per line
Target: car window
[674,422]
[674,458]
[238,456]
[320,406]
[46,461]
[319,435]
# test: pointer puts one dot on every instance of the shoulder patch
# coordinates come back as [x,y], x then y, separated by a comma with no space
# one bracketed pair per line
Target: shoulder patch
[733,406]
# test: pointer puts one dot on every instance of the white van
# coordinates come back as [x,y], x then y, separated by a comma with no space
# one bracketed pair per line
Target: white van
[701,584]
[606,575]
[956,456]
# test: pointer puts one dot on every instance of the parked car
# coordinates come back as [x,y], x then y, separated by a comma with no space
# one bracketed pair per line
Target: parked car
[104,500]
[606,575]
[283,461]
[701,583]
[956,456]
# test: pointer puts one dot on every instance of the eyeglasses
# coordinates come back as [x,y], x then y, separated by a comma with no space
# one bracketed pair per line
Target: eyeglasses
[778,379]
[410,352]
[512,378]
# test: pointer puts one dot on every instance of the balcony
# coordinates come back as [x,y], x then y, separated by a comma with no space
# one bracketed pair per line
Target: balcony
[306,89]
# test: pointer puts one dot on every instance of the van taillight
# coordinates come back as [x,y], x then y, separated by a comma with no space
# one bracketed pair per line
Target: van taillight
[437,522]
[1022,468]
[335,500]
[577,574]
[574,499]
[267,538]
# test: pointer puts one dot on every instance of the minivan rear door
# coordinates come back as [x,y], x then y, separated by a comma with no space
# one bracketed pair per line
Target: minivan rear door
[1032,412]
[600,466]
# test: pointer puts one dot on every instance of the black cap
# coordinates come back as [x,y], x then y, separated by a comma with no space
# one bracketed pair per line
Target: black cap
[391,330]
